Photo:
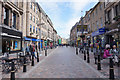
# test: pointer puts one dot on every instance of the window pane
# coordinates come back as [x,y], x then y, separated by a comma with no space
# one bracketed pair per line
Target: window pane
[30,16]
[31,5]
[6,16]
[14,20]
[15,45]
[34,29]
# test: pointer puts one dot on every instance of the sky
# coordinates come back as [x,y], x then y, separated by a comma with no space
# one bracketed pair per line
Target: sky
[65,13]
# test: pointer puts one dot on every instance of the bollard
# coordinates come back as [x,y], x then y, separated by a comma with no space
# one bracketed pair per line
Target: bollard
[79,50]
[82,51]
[84,55]
[24,65]
[32,60]
[99,63]
[95,60]
[118,64]
[88,58]
[12,71]
[111,71]
[76,51]
[37,57]
[45,52]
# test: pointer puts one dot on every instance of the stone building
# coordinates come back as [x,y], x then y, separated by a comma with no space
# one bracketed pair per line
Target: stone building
[54,37]
[44,27]
[30,23]
[11,25]
[112,22]
[97,26]
[73,34]
[50,32]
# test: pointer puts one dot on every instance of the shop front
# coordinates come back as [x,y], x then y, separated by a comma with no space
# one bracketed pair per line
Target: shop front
[11,40]
[99,38]
[113,37]
[40,46]
[113,34]
[27,41]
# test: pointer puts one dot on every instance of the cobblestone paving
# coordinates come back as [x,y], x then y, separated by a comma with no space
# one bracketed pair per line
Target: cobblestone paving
[63,63]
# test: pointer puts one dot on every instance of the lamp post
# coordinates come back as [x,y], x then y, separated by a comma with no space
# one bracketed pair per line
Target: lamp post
[40,34]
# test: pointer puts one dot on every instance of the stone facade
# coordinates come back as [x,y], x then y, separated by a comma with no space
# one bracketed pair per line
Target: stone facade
[73,34]
[97,17]
[112,22]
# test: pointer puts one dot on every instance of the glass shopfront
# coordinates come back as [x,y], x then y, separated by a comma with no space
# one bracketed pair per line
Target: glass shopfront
[15,45]
[11,40]
[10,45]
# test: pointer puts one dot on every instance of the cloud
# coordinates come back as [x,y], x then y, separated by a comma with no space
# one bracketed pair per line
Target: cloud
[54,11]
[66,0]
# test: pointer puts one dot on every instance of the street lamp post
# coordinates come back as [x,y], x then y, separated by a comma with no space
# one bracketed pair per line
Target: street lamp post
[83,38]
[40,35]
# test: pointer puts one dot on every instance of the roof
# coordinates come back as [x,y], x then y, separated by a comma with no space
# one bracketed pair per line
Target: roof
[95,7]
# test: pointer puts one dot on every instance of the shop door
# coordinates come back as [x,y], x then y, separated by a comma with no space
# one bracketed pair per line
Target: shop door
[5,45]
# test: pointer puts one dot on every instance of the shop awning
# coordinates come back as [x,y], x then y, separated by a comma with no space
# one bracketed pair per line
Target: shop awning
[49,39]
[112,31]
[27,39]
[35,39]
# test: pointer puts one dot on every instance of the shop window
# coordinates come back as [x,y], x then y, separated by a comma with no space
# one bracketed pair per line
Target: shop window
[15,45]
[14,20]
[11,45]
[6,16]
[5,45]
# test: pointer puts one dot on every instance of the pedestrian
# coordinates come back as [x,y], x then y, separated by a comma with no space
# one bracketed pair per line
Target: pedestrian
[115,53]
[107,52]
[34,51]
[28,52]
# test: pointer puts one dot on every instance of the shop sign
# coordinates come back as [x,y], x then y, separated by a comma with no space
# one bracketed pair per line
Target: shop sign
[99,32]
